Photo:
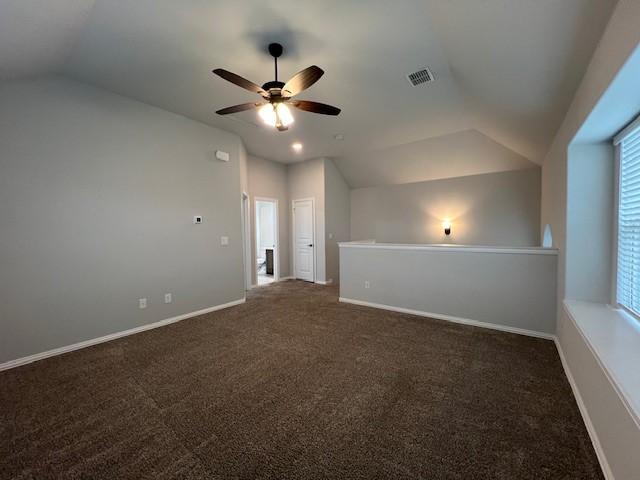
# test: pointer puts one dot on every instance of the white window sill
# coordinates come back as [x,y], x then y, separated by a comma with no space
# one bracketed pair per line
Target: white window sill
[614,337]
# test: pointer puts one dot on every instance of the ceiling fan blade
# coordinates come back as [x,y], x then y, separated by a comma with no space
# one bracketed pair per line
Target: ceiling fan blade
[315,107]
[302,80]
[241,82]
[240,108]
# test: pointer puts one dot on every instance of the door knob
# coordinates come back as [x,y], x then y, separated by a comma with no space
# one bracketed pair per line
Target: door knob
[310,245]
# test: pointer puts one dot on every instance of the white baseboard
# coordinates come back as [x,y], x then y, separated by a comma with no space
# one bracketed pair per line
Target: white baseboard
[450,318]
[325,282]
[112,336]
[282,279]
[602,459]
[604,465]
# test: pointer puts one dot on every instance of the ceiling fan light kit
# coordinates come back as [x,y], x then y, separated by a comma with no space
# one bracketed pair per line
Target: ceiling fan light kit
[277,96]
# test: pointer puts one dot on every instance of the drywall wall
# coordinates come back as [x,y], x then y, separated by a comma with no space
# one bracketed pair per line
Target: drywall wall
[490,209]
[619,41]
[337,217]
[318,179]
[590,194]
[513,290]
[618,433]
[306,180]
[97,197]
[269,179]
[244,169]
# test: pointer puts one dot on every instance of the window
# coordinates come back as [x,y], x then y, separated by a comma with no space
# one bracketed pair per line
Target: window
[628,252]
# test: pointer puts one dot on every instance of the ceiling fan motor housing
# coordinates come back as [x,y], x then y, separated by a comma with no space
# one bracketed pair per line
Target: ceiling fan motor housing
[275,49]
[274,88]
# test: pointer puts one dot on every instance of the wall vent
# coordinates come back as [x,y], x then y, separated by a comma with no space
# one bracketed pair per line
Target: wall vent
[423,75]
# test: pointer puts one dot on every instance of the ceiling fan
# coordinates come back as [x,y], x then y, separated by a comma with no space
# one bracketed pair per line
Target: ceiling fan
[277,95]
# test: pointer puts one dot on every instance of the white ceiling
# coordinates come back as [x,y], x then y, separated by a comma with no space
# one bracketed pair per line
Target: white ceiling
[37,36]
[458,154]
[506,69]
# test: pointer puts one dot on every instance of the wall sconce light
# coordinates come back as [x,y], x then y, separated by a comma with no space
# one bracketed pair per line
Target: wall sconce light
[447,227]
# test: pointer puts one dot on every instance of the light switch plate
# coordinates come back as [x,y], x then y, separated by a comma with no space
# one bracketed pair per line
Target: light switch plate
[197,219]
[224,241]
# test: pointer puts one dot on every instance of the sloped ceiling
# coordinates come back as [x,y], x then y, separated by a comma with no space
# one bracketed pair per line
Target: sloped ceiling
[37,36]
[505,70]
[454,155]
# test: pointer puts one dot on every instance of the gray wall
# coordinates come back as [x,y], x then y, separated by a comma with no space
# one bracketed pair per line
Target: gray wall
[618,433]
[590,222]
[619,41]
[97,195]
[269,179]
[514,290]
[306,180]
[337,217]
[490,209]
[318,178]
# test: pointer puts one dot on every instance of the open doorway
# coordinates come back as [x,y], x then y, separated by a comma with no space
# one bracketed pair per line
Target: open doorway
[266,253]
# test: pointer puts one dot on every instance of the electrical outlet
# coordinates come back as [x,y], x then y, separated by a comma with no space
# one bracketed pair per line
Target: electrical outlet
[367,284]
[197,219]
[142,302]
[168,298]
[224,241]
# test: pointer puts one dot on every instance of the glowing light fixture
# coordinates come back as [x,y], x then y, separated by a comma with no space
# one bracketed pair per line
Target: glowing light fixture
[297,147]
[446,224]
[276,115]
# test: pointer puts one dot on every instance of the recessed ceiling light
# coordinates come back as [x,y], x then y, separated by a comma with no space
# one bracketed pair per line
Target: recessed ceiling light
[338,136]
[297,146]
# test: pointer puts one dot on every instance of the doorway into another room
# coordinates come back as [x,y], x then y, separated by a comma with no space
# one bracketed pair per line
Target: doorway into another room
[266,227]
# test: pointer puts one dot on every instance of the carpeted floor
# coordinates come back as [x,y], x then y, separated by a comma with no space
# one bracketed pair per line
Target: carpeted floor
[294,385]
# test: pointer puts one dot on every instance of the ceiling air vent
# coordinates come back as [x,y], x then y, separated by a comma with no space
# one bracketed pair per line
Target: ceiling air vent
[421,76]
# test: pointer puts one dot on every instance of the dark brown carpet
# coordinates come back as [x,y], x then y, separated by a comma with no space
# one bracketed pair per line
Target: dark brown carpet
[294,385]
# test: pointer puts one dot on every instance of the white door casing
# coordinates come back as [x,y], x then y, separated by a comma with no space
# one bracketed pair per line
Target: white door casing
[246,242]
[304,239]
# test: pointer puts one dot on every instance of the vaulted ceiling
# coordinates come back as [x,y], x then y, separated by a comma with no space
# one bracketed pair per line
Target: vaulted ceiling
[506,70]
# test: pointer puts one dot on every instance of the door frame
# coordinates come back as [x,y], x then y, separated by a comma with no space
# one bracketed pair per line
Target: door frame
[276,236]
[245,207]
[313,228]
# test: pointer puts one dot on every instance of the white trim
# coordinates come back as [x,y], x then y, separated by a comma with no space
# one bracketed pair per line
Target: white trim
[607,372]
[616,226]
[276,247]
[626,131]
[293,234]
[453,248]
[325,282]
[450,318]
[245,205]
[602,459]
[112,336]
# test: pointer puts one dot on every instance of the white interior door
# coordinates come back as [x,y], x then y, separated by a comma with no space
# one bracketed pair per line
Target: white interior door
[303,239]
